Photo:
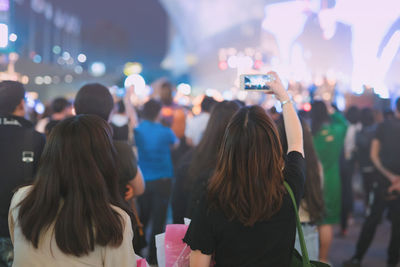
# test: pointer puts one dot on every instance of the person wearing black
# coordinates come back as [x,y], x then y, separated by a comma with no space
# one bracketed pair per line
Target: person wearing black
[197,165]
[247,217]
[96,99]
[21,147]
[385,150]
[363,147]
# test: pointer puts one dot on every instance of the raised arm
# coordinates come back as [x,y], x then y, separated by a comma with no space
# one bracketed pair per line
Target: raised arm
[294,132]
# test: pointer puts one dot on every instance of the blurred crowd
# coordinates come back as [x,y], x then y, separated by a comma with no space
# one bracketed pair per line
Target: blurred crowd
[93,180]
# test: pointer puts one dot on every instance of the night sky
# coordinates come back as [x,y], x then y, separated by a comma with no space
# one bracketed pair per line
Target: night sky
[121,30]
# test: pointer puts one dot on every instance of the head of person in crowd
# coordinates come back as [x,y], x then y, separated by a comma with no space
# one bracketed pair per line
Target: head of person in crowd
[388,114]
[319,116]
[314,202]
[207,104]
[75,186]
[249,171]
[275,115]
[120,107]
[12,98]
[166,90]
[367,117]
[398,107]
[205,154]
[94,99]
[61,108]
[353,115]
[151,110]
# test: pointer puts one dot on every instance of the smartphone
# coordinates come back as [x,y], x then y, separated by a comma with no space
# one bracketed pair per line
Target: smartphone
[255,82]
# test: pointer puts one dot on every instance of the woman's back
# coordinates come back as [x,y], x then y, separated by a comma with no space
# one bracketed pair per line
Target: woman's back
[266,243]
[69,216]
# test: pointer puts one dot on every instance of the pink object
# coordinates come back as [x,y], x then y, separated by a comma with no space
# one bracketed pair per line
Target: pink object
[141,263]
[176,252]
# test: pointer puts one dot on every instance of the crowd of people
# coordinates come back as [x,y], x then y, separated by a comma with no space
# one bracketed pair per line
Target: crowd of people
[92,180]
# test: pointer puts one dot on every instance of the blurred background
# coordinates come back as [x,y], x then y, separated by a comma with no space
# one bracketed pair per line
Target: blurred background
[338,51]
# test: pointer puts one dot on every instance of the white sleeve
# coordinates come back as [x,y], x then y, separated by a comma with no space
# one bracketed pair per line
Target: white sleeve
[124,255]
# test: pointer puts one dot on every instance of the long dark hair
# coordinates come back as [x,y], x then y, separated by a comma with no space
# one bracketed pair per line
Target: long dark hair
[205,154]
[313,187]
[75,184]
[248,182]
[319,116]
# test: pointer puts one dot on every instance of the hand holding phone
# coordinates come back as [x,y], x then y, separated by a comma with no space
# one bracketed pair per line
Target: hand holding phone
[277,88]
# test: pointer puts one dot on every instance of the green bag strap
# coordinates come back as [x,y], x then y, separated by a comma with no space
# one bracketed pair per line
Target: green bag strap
[304,253]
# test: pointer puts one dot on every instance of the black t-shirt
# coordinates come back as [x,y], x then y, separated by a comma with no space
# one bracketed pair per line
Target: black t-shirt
[20,150]
[363,146]
[388,134]
[127,164]
[267,243]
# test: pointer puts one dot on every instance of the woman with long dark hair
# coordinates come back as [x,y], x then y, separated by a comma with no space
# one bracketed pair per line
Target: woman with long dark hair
[71,215]
[328,128]
[198,164]
[246,217]
[311,208]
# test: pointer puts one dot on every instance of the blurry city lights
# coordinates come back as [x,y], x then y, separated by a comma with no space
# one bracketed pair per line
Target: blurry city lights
[258,64]
[3,35]
[98,69]
[25,79]
[66,55]
[56,79]
[13,37]
[232,61]
[184,88]
[227,95]
[60,61]
[68,78]
[78,69]
[37,59]
[307,107]
[70,61]
[137,81]
[47,79]
[56,49]
[39,80]
[39,108]
[222,65]
[132,68]
[13,56]
[82,58]
[242,95]
[30,102]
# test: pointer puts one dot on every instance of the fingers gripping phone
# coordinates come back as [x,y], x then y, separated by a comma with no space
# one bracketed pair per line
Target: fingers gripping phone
[255,82]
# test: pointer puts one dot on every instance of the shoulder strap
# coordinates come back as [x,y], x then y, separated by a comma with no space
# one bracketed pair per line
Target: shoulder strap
[304,253]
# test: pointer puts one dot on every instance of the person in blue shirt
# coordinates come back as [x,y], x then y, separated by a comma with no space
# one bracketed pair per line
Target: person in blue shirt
[154,142]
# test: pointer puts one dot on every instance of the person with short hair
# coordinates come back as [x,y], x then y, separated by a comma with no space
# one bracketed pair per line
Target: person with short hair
[196,126]
[96,99]
[154,142]
[73,214]
[385,150]
[20,150]
[61,108]
[246,217]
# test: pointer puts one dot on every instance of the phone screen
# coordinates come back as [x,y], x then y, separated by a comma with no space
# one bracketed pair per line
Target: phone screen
[256,82]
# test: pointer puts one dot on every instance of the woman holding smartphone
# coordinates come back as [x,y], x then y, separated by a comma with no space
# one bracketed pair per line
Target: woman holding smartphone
[246,217]
[72,215]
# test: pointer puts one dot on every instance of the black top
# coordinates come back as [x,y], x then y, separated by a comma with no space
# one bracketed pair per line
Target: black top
[20,149]
[388,133]
[363,147]
[267,243]
[127,164]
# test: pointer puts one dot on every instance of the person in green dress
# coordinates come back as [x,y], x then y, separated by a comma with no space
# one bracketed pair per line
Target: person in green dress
[329,129]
